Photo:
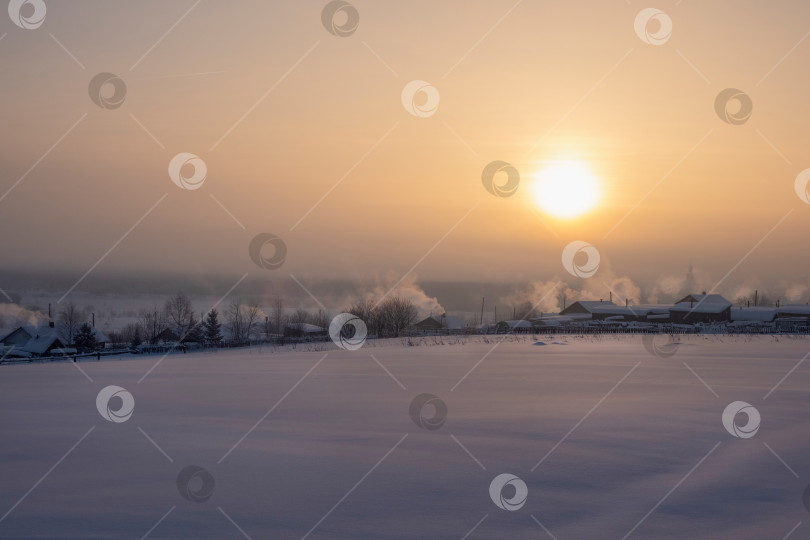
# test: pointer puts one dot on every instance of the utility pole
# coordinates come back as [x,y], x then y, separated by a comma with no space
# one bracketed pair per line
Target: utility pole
[482,310]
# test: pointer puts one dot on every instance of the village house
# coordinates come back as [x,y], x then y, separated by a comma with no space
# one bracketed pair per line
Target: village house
[700,308]
[31,341]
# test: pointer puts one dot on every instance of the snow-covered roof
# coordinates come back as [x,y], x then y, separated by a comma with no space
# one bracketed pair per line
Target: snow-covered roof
[795,309]
[28,330]
[589,305]
[99,335]
[40,343]
[702,303]
[753,314]
[429,320]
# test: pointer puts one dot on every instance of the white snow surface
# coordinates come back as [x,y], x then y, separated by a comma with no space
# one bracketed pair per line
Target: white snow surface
[616,431]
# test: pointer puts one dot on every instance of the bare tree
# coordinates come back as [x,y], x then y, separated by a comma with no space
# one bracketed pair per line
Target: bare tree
[151,324]
[278,314]
[321,318]
[235,320]
[253,316]
[179,314]
[242,320]
[70,317]
[366,311]
[301,316]
[396,313]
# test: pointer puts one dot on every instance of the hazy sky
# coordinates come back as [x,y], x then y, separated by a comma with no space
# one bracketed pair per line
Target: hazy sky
[281,111]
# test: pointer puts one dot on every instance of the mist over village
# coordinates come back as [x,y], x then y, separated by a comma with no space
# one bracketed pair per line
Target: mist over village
[133,324]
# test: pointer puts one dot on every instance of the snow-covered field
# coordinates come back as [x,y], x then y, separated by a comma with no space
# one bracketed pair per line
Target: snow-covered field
[609,439]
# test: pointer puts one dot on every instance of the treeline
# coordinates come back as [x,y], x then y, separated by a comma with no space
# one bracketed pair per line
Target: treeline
[244,322]
[389,318]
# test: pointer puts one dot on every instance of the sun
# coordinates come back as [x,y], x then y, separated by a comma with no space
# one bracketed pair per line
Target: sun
[565,189]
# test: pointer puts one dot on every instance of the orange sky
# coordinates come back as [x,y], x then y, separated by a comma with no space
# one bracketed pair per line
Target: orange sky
[571,76]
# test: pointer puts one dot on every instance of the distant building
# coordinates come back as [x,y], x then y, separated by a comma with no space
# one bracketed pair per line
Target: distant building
[101,339]
[753,314]
[793,310]
[640,313]
[452,322]
[32,340]
[700,308]
[165,336]
[586,307]
[428,324]
[18,337]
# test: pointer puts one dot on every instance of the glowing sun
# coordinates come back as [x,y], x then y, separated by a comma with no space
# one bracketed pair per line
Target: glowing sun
[565,189]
